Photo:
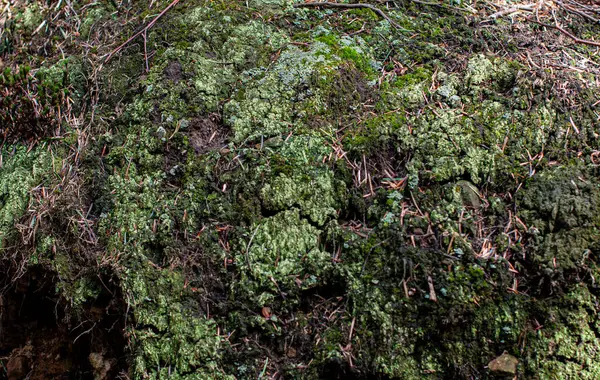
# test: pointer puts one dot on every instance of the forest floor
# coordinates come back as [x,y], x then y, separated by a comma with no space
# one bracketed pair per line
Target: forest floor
[279,189]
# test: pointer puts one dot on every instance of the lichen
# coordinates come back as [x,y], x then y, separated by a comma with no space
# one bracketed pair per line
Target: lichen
[314,193]
[264,108]
[317,198]
[169,338]
[282,255]
[20,171]
[565,344]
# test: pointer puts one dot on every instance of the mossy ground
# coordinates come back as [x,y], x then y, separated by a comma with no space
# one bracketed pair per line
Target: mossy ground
[304,193]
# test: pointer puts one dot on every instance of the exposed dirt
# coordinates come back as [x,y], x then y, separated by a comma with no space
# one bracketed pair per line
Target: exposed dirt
[207,133]
[174,71]
[41,339]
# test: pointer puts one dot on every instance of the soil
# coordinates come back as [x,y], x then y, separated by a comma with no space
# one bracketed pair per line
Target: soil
[40,338]
[207,133]
[174,71]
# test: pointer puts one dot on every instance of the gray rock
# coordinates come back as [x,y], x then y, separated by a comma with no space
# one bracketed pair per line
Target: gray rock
[504,364]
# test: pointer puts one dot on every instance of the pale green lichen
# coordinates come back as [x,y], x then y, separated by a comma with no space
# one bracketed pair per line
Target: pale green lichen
[316,197]
[169,336]
[565,346]
[453,140]
[282,252]
[265,105]
[30,18]
[481,69]
[93,15]
[281,215]
[20,172]
[140,214]
[270,4]
[561,209]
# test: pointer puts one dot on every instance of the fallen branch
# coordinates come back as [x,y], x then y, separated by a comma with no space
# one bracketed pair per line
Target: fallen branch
[570,9]
[565,32]
[143,31]
[516,8]
[585,7]
[327,4]
[441,5]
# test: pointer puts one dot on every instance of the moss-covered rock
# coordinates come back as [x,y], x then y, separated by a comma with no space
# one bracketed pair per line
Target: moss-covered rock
[310,192]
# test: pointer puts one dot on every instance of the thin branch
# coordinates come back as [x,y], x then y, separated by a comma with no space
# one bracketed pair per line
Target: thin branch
[582,6]
[143,31]
[566,33]
[85,332]
[443,6]
[248,249]
[145,36]
[568,8]
[328,4]
[516,8]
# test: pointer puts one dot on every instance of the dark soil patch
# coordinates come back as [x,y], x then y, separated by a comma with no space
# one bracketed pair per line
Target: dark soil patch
[41,339]
[204,134]
[339,369]
[174,71]
[350,90]
[207,133]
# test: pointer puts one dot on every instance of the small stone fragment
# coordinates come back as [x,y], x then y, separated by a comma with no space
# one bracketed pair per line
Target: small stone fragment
[291,352]
[504,364]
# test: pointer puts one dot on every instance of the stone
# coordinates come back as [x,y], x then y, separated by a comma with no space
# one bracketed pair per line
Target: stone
[504,364]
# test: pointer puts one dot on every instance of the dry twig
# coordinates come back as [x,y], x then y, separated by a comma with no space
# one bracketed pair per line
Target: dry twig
[327,4]
[565,32]
[515,9]
[143,31]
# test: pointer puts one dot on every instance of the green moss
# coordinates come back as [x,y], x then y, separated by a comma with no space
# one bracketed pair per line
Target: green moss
[318,197]
[352,54]
[282,255]
[19,173]
[354,50]
[565,345]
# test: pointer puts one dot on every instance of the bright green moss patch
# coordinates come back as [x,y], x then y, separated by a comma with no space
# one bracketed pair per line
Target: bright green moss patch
[169,335]
[282,255]
[20,172]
